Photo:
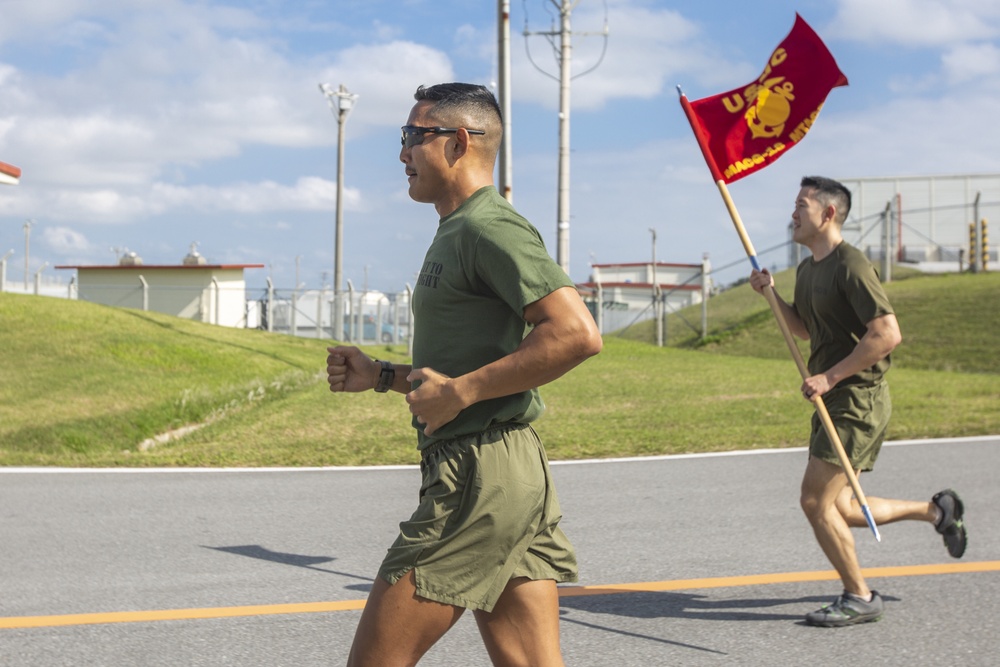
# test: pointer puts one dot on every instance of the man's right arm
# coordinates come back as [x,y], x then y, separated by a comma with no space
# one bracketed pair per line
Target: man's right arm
[762,279]
[351,370]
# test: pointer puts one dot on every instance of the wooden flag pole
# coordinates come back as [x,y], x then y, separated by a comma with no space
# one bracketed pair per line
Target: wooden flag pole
[817,400]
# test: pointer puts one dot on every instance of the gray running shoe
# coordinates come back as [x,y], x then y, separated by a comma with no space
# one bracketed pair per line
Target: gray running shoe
[951,526]
[847,610]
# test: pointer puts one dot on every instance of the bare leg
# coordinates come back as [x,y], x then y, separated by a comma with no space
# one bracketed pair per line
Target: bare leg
[397,626]
[523,628]
[884,510]
[822,485]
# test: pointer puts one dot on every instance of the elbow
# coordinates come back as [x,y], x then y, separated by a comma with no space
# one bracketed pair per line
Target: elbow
[891,338]
[895,340]
[589,342]
[594,345]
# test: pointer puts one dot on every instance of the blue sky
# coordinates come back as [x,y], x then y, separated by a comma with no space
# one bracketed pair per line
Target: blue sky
[152,125]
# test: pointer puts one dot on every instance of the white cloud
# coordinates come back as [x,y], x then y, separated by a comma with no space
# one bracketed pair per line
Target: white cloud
[648,50]
[66,241]
[307,194]
[915,23]
[117,206]
[385,77]
[971,61]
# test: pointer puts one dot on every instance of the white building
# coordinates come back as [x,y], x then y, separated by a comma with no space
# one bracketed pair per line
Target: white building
[195,290]
[638,291]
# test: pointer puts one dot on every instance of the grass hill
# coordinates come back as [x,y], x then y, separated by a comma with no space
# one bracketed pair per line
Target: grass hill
[89,385]
[949,322]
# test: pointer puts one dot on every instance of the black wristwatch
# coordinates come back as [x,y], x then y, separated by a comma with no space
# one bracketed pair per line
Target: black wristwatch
[386,377]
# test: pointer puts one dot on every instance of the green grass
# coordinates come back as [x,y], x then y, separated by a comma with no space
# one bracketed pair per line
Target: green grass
[85,385]
[950,322]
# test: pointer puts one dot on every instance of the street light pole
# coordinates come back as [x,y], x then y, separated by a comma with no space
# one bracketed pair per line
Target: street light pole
[341,103]
[27,252]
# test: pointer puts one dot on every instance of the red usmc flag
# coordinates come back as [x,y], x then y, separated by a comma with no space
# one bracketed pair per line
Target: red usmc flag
[748,128]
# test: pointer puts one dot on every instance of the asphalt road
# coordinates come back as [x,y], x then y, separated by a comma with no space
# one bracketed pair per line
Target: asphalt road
[693,561]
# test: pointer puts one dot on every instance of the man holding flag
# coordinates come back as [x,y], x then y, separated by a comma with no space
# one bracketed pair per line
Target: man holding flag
[841,308]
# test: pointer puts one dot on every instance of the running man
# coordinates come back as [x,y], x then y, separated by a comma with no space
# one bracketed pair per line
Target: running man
[842,310]
[495,318]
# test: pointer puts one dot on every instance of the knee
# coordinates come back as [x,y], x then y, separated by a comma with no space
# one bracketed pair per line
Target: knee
[810,505]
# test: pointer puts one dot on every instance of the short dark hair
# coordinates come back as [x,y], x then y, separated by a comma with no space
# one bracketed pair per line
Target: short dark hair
[829,191]
[467,98]
[469,105]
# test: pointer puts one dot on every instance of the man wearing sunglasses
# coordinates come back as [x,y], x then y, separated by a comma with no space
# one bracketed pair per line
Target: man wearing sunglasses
[494,318]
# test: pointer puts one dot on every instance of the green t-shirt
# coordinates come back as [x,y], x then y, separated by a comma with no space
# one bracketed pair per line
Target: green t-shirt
[836,298]
[484,266]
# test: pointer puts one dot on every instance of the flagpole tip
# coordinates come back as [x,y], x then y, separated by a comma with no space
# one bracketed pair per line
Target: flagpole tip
[680,93]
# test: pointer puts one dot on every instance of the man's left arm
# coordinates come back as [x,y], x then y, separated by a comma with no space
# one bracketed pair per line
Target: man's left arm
[564,334]
[881,338]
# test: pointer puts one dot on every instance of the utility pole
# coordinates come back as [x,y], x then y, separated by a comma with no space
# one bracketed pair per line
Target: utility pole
[341,103]
[564,53]
[562,212]
[505,171]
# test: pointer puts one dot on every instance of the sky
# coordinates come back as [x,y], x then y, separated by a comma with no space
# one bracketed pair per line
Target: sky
[149,126]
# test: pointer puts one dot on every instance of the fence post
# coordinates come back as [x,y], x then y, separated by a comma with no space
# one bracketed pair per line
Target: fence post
[378,319]
[887,244]
[350,328]
[3,270]
[270,305]
[599,310]
[395,317]
[145,293]
[216,301]
[409,304]
[986,244]
[706,290]
[38,278]
[972,247]
[319,311]
[975,240]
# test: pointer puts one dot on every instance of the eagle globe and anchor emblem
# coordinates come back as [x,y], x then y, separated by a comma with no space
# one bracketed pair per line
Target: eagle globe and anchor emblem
[767,115]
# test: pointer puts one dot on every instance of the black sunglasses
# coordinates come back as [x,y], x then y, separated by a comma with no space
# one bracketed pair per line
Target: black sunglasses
[413,135]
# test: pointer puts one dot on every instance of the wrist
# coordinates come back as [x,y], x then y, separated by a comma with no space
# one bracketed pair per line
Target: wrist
[386,375]
[465,390]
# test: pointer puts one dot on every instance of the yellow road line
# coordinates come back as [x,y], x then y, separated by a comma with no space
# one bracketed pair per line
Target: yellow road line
[779,578]
[177,614]
[16,622]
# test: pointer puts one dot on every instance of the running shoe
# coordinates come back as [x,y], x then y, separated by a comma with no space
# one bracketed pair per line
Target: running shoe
[951,526]
[847,609]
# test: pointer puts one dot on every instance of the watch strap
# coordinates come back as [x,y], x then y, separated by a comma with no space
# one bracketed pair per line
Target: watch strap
[386,377]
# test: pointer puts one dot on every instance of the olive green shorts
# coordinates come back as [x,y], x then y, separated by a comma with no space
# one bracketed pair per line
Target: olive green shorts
[488,513]
[860,415]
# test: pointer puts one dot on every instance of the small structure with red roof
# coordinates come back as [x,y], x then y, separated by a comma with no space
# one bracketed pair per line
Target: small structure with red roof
[194,289]
[9,174]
